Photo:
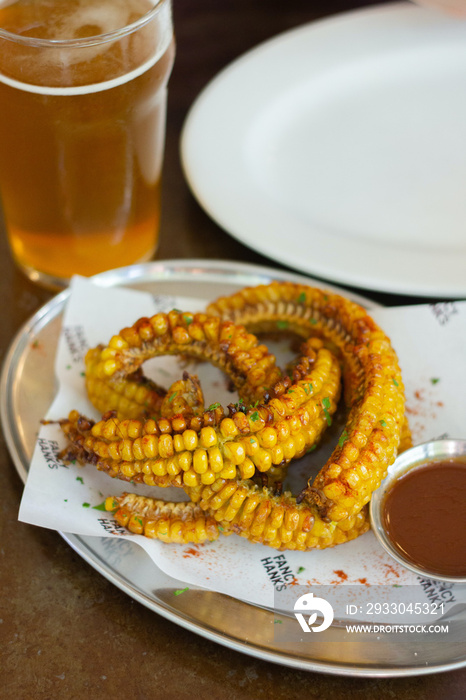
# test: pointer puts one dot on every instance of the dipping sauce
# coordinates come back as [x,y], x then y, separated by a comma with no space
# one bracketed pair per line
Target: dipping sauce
[424,516]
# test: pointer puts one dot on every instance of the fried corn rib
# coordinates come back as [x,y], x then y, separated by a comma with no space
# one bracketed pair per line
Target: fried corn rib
[374,389]
[193,450]
[332,509]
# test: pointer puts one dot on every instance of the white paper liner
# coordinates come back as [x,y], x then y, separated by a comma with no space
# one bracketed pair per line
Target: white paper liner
[430,342]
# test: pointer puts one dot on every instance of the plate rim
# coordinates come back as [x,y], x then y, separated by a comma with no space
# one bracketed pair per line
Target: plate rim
[193,134]
[155,271]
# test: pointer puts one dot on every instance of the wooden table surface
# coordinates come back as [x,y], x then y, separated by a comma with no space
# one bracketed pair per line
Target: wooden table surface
[65,631]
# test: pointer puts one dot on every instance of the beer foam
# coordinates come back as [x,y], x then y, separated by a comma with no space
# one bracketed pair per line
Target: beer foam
[67,57]
[105,18]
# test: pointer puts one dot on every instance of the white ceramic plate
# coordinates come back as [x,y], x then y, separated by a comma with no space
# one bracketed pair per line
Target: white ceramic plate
[339,149]
[26,391]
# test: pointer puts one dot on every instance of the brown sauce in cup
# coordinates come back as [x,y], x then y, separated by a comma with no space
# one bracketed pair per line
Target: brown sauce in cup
[424,516]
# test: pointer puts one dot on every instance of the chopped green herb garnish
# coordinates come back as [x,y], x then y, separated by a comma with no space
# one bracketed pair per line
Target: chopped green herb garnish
[86,505]
[188,320]
[82,374]
[101,506]
[221,529]
[68,366]
[434,380]
[313,321]
[183,590]
[281,325]
[301,569]
[79,478]
[383,423]
[302,298]
[311,449]
[213,406]
[343,438]
[395,382]
[397,585]
[255,416]
[277,622]
[326,406]
[172,396]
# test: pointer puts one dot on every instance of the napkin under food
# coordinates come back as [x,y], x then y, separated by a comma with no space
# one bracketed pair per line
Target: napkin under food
[430,342]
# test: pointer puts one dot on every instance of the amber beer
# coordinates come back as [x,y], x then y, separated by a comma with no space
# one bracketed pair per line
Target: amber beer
[82,123]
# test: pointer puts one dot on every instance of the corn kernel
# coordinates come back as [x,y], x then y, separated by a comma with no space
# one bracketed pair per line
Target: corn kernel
[190,440]
[200,461]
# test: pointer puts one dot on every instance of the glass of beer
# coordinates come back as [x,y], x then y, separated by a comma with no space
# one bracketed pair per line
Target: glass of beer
[82,126]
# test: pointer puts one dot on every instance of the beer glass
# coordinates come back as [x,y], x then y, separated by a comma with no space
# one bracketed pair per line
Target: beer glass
[82,126]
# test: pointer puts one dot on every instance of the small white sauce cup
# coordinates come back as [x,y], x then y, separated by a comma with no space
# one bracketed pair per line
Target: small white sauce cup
[435,451]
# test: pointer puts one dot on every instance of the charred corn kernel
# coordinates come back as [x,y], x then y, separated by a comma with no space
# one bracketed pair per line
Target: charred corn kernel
[300,443]
[190,440]
[126,450]
[200,461]
[109,367]
[138,450]
[181,336]
[173,468]
[251,445]
[147,467]
[149,445]
[276,516]
[127,469]
[208,437]
[106,428]
[352,478]
[159,467]
[134,429]
[283,430]
[267,438]
[178,443]
[122,516]
[215,459]
[222,496]
[196,331]
[285,535]
[108,353]
[164,426]
[136,524]
[111,503]
[269,534]
[291,520]
[228,428]
[277,454]
[247,469]
[190,478]
[165,446]
[251,503]
[160,324]
[208,477]
[234,452]
[118,343]
[228,471]
[262,460]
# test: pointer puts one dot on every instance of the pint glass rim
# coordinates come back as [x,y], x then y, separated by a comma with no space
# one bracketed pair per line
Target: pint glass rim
[86,41]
